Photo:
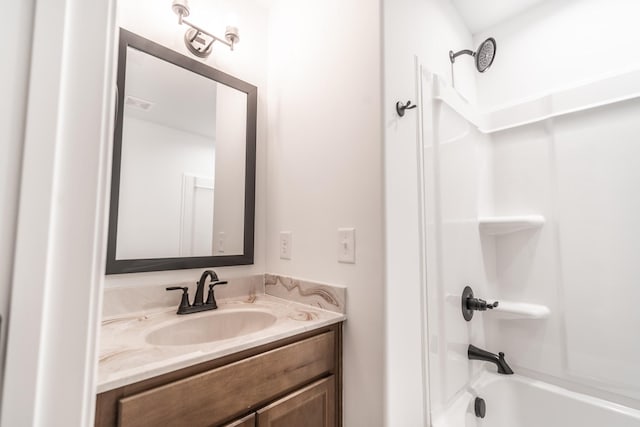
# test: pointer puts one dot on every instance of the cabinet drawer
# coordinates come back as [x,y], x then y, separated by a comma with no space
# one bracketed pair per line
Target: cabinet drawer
[240,387]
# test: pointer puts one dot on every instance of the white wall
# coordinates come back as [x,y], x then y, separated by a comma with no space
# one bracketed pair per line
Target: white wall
[231,136]
[325,171]
[427,29]
[151,187]
[557,45]
[156,21]
[13,86]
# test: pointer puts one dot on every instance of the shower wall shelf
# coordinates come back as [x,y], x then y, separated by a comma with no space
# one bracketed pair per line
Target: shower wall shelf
[497,225]
[510,310]
[605,91]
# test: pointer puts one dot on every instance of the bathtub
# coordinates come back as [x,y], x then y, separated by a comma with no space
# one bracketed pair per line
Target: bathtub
[517,401]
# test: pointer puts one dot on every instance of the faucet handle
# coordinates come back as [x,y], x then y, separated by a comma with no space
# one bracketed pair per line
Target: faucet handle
[211,299]
[480,304]
[184,302]
[471,304]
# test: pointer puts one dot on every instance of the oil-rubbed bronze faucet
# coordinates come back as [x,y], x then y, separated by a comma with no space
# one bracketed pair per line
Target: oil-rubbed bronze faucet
[475,353]
[198,301]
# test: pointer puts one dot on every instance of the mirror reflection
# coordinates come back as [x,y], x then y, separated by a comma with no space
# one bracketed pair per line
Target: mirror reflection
[182,173]
[181,189]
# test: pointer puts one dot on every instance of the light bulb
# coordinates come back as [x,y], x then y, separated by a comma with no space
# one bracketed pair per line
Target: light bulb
[180,8]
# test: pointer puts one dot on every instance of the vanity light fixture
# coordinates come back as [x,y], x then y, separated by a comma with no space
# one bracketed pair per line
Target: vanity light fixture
[199,41]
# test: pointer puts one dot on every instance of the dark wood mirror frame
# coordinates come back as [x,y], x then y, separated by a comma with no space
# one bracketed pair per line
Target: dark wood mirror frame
[115,266]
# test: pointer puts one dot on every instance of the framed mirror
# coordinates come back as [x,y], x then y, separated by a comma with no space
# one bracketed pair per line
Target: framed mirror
[184,163]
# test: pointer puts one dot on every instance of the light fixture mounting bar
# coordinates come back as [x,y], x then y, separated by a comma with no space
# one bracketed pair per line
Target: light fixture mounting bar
[203,31]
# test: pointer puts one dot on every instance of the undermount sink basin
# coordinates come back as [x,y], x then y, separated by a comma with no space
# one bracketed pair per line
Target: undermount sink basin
[215,326]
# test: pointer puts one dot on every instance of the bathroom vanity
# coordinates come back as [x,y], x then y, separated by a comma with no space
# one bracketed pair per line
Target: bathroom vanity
[272,385]
[277,363]
[270,356]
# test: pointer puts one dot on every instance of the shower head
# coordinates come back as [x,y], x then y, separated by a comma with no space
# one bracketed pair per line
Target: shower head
[484,55]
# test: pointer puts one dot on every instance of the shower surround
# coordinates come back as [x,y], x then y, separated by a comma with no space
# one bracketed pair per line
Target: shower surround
[533,206]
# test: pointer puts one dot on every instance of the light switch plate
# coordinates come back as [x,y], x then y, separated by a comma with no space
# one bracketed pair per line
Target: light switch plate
[221,240]
[347,245]
[285,244]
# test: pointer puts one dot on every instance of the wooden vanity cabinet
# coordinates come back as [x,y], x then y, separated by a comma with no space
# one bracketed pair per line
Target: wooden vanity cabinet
[294,382]
[248,421]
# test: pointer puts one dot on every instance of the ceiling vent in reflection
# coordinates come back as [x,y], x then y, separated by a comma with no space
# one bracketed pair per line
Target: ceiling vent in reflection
[138,103]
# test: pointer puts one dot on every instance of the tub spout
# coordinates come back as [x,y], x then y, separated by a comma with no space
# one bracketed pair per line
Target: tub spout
[475,353]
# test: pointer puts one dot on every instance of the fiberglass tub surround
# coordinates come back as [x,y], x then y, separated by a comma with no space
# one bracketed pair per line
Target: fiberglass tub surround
[523,402]
[147,338]
[534,207]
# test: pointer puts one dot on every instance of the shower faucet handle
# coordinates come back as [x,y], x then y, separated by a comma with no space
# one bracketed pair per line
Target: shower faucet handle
[471,304]
[480,304]
[483,305]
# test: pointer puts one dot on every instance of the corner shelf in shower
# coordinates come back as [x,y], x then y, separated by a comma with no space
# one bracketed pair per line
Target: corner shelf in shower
[519,310]
[497,225]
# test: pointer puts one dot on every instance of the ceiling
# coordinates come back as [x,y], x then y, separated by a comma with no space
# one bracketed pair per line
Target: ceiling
[480,15]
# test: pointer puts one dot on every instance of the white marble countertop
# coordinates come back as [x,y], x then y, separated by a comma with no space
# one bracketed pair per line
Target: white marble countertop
[126,357]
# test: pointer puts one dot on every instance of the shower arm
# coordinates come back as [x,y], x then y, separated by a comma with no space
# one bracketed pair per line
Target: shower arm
[453,56]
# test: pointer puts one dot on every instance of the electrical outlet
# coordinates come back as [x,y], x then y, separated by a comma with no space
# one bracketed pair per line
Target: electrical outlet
[285,244]
[347,245]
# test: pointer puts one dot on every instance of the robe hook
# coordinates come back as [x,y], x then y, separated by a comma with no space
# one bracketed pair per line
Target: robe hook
[400,107]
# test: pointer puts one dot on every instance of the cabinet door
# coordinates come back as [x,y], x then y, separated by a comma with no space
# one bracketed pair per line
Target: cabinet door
[312,406]
[230,390]
[248,421]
